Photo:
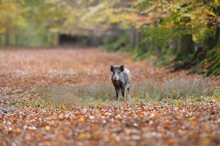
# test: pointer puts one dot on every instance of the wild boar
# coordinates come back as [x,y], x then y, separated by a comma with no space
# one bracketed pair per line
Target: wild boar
[121,79]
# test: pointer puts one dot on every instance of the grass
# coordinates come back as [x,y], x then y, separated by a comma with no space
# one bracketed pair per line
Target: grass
[80,94]
[176,89]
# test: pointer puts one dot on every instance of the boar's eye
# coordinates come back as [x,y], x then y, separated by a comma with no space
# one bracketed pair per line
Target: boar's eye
[112,68]
[122,68]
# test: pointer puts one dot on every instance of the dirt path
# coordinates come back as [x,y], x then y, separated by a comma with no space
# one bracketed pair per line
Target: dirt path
[22,70]
[155,123]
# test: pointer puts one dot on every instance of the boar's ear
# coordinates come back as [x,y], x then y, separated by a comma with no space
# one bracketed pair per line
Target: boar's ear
[122,67]
[112,68]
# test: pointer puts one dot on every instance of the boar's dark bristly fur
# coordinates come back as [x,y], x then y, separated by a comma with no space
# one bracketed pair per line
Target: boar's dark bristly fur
[121,79]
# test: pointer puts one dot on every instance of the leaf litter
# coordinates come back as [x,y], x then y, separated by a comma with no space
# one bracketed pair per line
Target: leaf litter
[136,123]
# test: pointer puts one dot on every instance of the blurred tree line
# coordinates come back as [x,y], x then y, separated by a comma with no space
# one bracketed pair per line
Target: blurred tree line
[182,32]
[28,22]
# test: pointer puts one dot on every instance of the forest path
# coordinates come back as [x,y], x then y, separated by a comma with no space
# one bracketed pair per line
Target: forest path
[23,70]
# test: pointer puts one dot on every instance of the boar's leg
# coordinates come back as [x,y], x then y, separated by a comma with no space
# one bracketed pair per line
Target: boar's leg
[128,92]
[116,91]
[123,93]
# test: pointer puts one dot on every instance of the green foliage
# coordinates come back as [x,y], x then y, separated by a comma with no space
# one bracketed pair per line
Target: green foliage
[213,57]
[160,38]
[118,43]
[170,20]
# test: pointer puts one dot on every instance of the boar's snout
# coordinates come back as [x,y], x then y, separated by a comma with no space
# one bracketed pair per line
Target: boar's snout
[115,78]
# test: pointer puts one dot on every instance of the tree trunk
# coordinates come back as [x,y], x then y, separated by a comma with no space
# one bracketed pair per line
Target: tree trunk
[158,50]
[133,37]
[17,38]
[186,46]
[1,41]
[211,42]
[7,38]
